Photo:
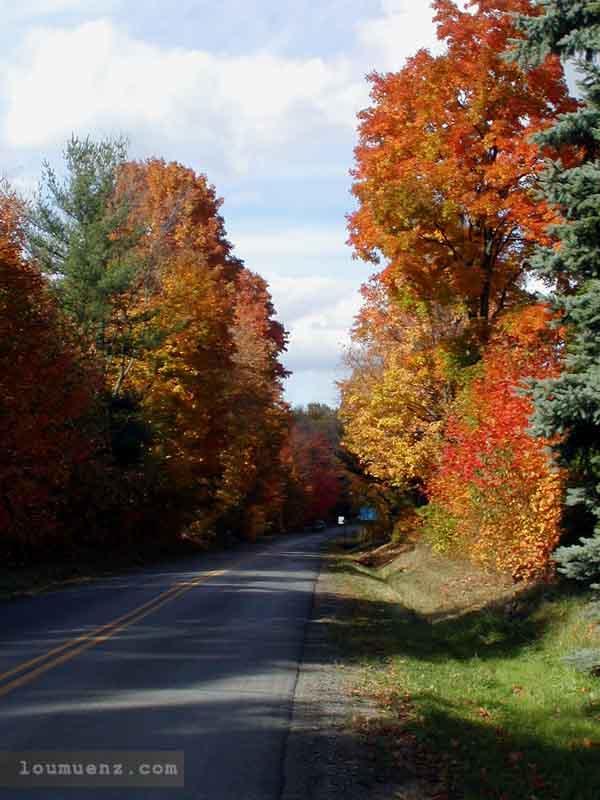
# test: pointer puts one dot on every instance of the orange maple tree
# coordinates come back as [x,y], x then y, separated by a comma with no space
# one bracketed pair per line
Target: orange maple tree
[211,388]
[445,164]
[177,211]
[252,490]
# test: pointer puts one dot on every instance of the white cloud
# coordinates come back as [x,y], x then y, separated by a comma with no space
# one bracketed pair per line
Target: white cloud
[95,76]
[318,337]
[316,252]
[316,307]
[403,27]
[318,311]
[273,248]
[258,115]
[25,184]
[301,296]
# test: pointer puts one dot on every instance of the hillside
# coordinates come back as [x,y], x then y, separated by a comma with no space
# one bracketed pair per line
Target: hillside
[470,673]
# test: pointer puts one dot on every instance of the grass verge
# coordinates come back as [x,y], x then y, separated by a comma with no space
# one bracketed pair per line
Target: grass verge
[471,673]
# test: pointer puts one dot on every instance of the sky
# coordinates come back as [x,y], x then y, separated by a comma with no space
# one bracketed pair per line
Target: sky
[261,97]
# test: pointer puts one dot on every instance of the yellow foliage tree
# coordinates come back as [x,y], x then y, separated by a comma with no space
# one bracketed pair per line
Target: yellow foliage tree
[393,404]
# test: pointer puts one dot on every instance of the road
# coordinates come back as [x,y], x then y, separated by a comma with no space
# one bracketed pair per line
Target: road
[200,656]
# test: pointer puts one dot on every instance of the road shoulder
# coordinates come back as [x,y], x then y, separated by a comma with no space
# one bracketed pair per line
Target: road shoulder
[332,749]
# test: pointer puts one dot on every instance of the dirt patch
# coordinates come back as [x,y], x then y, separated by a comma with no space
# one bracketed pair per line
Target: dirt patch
[439,588]
[384,554]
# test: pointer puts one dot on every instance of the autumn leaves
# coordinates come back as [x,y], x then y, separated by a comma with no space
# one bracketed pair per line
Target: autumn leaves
[445,177]
[141,390]
[142,393]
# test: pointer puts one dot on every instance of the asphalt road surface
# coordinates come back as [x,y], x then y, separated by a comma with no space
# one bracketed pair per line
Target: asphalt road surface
[201,656]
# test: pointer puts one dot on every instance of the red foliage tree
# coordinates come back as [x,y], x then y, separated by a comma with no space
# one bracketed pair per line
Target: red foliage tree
[47,390]
[497,495]
[316,476]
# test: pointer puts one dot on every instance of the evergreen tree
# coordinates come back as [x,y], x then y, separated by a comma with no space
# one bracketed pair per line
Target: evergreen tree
[78,235]
[569,407]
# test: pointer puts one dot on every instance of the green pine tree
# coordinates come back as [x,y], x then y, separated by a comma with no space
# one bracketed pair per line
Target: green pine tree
[76,234]
[72,232]
[568,407]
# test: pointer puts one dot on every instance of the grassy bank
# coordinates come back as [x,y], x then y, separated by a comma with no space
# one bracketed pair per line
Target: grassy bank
[471,672]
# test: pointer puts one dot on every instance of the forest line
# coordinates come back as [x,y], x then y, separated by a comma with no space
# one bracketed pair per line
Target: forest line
[142,382]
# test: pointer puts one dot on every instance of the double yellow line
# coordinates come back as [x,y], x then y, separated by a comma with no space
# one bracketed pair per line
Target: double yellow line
[28,671]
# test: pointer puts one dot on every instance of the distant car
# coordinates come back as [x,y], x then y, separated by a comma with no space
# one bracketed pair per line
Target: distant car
[319,525]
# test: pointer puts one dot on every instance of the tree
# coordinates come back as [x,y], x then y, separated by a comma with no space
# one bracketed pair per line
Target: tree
[73,235]
[392,412]
[252,491]
[445,165]
[186,384]
[79,238]
[567,407]
[183,384]
[178,212]
[403,379]
[316,482]
[211,388]
[48,390]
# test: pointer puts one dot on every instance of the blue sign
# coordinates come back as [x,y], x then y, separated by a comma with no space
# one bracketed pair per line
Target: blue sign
[368,514]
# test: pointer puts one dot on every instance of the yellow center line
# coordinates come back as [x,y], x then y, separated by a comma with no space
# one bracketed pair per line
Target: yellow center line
[84,636]
[73,647]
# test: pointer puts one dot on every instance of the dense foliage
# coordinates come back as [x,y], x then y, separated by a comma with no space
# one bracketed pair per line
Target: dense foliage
[446,177]
[496,495]
[394,403]
[47,391]
[142,384]
[317,485]
[445,164]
